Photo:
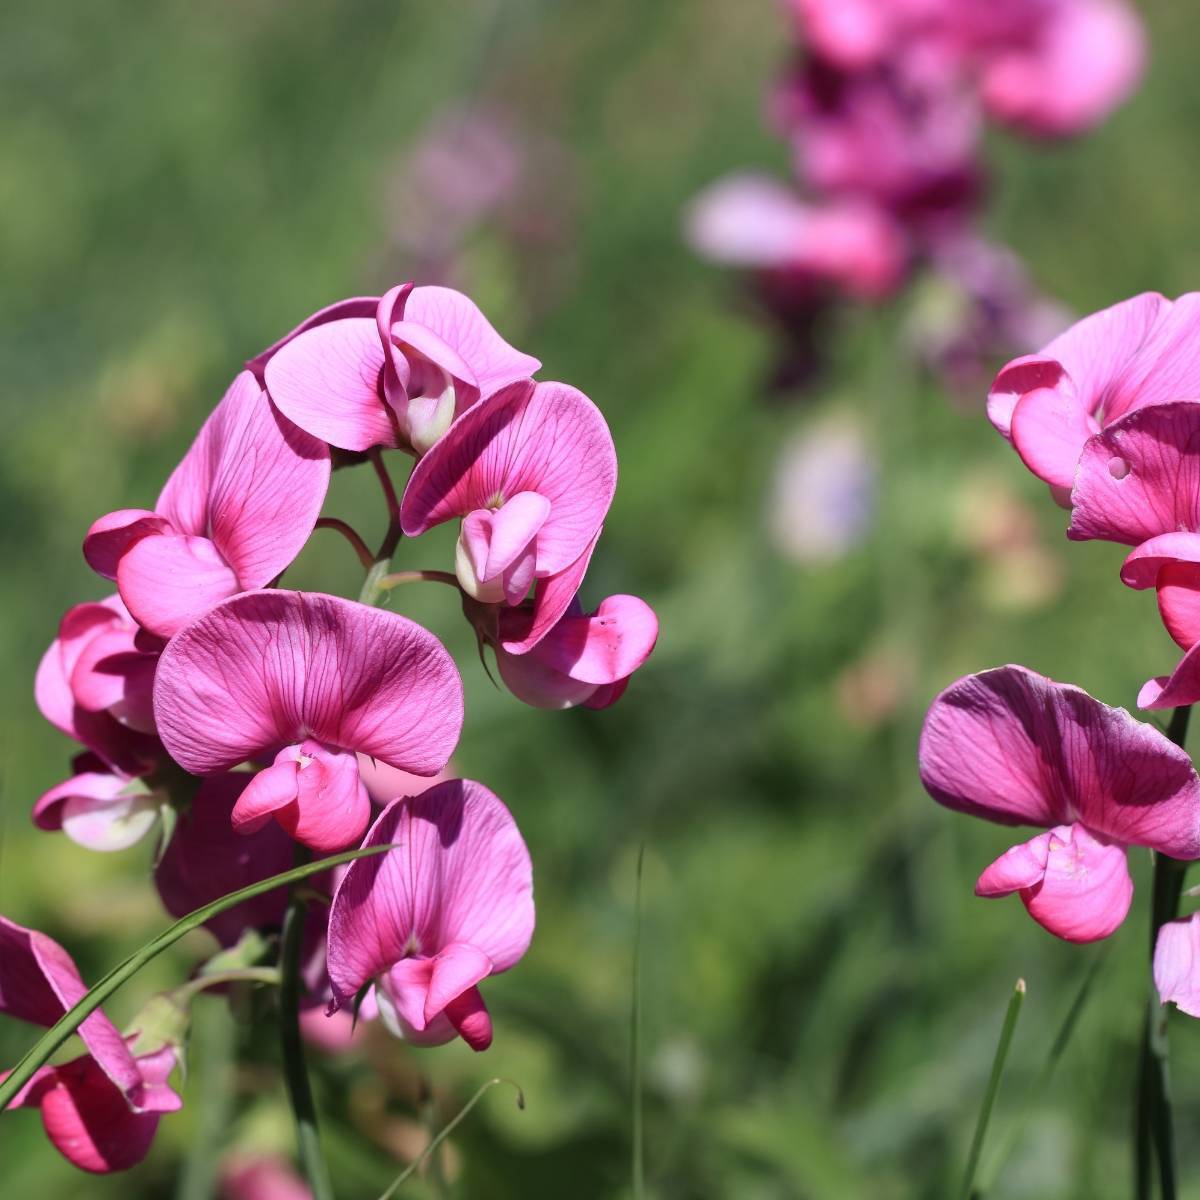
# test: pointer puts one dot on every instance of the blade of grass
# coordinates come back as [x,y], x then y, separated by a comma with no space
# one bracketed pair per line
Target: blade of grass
[66,1025]
[638,1164]
[1038,1088]
[993,1086]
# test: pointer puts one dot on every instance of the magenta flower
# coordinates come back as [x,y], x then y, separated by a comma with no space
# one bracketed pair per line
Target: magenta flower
[1078,61]
[260,1176]
[429,923]
[99,807]
[96,683]
[233,515]
[100,1110]
[1015,748]
[206,859]
[1138,353]
[753,222]
[532,472]
[306,680]
[1177,964]
[397,376]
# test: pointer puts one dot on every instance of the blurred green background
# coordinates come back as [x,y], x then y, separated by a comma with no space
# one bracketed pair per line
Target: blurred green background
[181,183]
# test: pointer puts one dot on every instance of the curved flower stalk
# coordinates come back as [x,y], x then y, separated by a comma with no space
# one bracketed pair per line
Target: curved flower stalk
[1015,748]
[234,514]
[429,923]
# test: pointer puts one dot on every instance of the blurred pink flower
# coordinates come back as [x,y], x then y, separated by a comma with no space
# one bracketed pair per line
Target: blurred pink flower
[233,515]
[532,472]
[337,678]
[100,1110]
[430,922]
[1141,352]
[260,1177]
[96,683]
[751,221]
[1013,747]
[1177,964]
[396,378]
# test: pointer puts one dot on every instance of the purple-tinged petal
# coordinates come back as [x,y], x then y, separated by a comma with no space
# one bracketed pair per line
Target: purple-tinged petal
[206,859]
[1140,477]
[39,982]
[1074,884]
[113,534]
[111,675]
[1049,431]
[1181,687]
[469,1016]
[1016,748]
[169,580]
[266,793]
[462,877]
[545,438]
[458,322]
[1142,566]
[327,381]
[1179,602]
[267,669]
[1177,964]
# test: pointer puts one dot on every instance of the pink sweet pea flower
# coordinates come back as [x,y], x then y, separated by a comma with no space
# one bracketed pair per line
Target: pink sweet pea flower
[396,377]
[260,1177]
[96,683]
[233,515]
[206,859]
[532,472]
[753,222]
[1018,749]
[1139,353]
[306,680]
[98,807]
[1177,964]
[1081,60]
[100,1110]
[428,923]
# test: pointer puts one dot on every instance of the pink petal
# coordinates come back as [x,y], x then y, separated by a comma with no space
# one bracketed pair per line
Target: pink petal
[456,968]
[1179,602]
[327,381]
[267,669]
[1083,890]
[110,823]
[460,325]
[169,580]
[513,527]
[1049,430]
[522,628]
[110,675]
[39,982]
[1181,687]
[537,683]
[1140,478]
[749,221]
[1030,373]
[469,1016]
[206,859]
[92,785]
[252,482]
[545,438]
[357,306]
[266,793]
[113,534]
[332,808]
[1143,565]
[1177,964]
[463,878]
[1017,748]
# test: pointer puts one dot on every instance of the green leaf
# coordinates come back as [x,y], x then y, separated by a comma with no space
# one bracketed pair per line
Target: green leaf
[66,1025]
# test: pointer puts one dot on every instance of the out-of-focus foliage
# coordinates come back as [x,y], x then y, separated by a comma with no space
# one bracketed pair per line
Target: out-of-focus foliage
[182,182]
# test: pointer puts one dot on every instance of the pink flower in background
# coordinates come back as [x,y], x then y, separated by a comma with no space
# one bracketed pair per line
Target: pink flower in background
[751,221]
[309,680]
[207,859]
[532,472]
[1141,352]
[1015,748]
[96,684]
[233,515]
[260,1177]
[100,1110]
[1177,964]
[98,807]
[1077,63]
[429,922]
[395,378]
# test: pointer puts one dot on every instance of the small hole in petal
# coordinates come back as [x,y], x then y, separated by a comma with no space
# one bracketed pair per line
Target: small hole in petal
[1118,468]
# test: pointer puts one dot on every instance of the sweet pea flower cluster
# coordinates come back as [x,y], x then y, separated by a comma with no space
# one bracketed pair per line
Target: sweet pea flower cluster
[248,722]
[882,108]
[1108,416]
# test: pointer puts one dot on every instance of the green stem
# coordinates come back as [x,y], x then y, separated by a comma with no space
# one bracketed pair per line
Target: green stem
[267,975]
[993,1087]
[638,1164]
[295,1071]
[1154,1127]
[56,1036]
[401,577]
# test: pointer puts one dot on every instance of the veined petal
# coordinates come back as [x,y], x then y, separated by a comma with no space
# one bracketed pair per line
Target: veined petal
[168,580]
[1049,430]
[111,535]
